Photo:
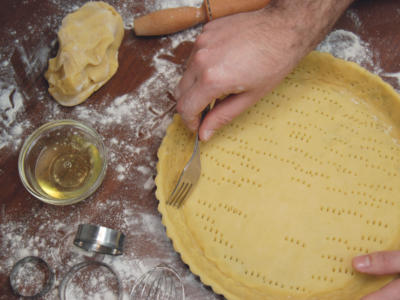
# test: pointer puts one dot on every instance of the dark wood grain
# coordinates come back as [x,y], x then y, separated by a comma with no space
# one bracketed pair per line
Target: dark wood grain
[379,27]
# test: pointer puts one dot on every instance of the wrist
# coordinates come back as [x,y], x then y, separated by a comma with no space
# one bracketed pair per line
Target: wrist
[306,22]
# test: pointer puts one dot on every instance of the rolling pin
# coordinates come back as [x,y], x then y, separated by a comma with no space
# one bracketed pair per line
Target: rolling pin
[172,20]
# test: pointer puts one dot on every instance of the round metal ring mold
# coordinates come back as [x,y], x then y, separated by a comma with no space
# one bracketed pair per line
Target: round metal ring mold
[22,262]
[76,268]
[99,239]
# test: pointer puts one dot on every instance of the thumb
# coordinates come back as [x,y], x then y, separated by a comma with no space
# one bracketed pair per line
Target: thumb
[378,263]
[224,112]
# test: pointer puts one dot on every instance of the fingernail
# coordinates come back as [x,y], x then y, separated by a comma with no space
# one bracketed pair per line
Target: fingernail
[362,262]
[207,134]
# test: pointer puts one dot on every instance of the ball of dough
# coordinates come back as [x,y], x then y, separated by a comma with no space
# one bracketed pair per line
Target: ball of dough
[87,57]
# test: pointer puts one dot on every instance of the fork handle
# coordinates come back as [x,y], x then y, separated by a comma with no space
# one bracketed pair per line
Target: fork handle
[206,110]
[204,113]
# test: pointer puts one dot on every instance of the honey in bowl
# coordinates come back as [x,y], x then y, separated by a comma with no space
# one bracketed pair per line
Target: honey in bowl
[62,162]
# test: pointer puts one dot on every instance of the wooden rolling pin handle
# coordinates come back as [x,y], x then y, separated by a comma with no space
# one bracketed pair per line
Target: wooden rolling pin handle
[169,20]
[176,19]
[221,8]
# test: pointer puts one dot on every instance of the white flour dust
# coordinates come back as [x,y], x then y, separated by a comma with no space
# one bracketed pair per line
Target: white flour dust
[128,9]
[138,120]
[18,65]
[392,75]
[57,250]
[125,110]
[349,46]
[11,119]
[138,116]
[354,18]
[176,3]
[341,43]
[13,94]
[130,163]
[34,62]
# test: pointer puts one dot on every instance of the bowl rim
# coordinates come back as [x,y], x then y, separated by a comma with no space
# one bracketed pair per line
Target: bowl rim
[35,135]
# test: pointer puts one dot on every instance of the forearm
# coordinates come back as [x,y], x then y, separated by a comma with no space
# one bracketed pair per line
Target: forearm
[246,55]
[307,20]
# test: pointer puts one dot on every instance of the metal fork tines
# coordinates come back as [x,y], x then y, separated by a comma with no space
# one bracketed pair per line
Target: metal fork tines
[188,178]
[191,172]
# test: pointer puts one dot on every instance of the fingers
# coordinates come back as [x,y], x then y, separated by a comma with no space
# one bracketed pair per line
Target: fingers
[195,100]
[201,44]
[203,82]
[222,63]
[224,112]
[187,81]
[379,263]
[388,292]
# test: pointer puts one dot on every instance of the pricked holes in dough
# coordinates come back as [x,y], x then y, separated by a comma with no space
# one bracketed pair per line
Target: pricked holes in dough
[295,242]
[373,239]
[322,278]
[301,181]
[377,223]
[332,258]
[337,239]
[341,211]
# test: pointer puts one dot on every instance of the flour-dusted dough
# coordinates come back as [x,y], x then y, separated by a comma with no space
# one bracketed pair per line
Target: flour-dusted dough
[293,189]
[87,56]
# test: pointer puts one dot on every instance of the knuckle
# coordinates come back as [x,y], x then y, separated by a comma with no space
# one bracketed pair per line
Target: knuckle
[201,41]
[184,111]
[386,261]
[207,26]
[222,119]
[209,77]
[381,260]
[212,25]
[200,58]
[180,107]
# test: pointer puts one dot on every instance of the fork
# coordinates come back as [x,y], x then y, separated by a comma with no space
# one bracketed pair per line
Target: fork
[191,172]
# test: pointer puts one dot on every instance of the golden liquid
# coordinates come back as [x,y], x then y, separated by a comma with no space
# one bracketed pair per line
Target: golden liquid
[67,167]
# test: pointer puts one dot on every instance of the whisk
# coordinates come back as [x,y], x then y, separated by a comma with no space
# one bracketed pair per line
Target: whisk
[159,283]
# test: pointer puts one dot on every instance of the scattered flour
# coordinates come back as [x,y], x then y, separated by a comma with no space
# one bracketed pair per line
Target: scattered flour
[128,9]
[393,75]
[143,230]
[30,278]
[149,184]
[11,118]
[141,121]
[349,46]
[133,113]
[354,18]
[120,170]
[144,170]
[177,3]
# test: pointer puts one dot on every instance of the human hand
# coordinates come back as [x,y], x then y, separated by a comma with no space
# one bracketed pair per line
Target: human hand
[232,57]
[245,56]
[381,263]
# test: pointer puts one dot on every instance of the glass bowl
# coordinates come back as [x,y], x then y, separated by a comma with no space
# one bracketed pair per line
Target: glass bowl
[62,162]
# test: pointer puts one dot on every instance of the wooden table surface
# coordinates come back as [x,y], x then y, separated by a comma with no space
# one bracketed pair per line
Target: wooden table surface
[131,112]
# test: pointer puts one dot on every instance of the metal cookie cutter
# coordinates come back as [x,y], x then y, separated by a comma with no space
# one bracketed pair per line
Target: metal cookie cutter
[23,262]
[75,269]
[99,239]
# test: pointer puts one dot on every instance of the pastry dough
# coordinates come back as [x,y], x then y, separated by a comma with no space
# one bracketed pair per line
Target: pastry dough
[292,189]
[88,53]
